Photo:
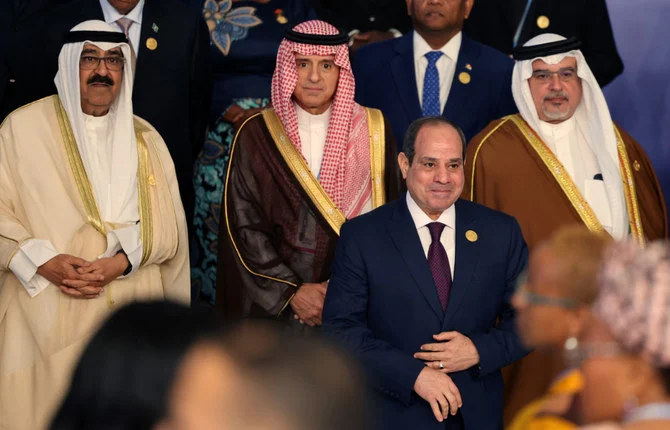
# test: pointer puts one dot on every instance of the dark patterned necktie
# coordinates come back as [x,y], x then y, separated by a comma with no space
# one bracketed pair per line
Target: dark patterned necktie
[439,264]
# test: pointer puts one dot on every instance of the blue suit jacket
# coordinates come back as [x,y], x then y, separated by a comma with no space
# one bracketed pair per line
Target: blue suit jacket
[385,79]
[382,303]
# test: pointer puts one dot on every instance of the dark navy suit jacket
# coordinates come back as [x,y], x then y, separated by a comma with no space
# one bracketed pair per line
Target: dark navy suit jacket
[386,80]
[382,303]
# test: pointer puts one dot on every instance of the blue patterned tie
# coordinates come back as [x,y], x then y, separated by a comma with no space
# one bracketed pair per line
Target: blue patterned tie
[431,86]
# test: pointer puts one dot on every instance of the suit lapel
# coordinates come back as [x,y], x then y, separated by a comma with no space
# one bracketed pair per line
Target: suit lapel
[406,239]
[150,15]
[467,253]
[402,67]
[461,101]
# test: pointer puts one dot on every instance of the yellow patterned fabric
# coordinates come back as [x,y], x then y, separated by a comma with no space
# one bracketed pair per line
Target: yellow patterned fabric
[535,416]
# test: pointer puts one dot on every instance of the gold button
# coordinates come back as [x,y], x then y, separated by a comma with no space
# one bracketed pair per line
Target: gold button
[152,43]
[543,22]
[152,180]
[471,235]
[636,165]
[464,78]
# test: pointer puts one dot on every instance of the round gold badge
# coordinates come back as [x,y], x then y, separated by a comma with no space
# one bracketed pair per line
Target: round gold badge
[464,78]
[543,22]
[636,165]
[152,43]
[471,235]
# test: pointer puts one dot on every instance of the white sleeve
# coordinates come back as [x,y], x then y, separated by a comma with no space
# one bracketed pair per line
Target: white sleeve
[31,255]
[127,239]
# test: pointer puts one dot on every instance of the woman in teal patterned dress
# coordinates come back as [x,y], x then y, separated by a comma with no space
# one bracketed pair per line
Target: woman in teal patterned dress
[245,37]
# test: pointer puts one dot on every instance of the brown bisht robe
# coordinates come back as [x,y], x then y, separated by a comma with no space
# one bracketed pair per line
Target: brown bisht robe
[510,169]
[278,226]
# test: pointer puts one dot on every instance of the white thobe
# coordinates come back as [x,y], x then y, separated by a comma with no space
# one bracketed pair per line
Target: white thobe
[35,252]
[568,143]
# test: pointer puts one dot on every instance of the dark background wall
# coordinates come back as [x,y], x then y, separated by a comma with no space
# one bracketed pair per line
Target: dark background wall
[639,99]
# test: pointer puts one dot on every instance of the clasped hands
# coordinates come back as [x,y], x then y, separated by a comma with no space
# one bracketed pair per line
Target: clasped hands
[452,352]
[80,278]
[307,304]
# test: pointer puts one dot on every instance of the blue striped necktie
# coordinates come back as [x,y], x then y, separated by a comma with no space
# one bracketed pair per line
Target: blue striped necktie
[431,86]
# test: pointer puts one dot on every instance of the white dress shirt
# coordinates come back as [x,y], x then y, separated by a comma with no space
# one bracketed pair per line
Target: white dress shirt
[448,237]
[446,65]
[112,15]
[568,143]
[35,252]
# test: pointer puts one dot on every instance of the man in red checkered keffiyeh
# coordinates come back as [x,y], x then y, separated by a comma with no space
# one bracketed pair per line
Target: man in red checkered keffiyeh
[345,169]
[296,172]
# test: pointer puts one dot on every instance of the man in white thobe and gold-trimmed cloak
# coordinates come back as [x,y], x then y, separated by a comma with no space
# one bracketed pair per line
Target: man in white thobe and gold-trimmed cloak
[90,219]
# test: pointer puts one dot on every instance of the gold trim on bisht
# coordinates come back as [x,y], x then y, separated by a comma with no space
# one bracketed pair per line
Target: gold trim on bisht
[474,158]
[78,170]
[303,174]
[144,178]
[634,218]
[377,159]
[562,177]
[227,219]
[572,192]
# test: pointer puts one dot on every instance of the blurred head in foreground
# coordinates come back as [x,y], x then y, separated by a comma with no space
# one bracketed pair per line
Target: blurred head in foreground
[297,382]
[553,301]
[625,353]
[125,373]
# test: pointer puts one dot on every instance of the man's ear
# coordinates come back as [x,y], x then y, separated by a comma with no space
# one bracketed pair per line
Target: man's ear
[403,162]
[409,7]
[468,7]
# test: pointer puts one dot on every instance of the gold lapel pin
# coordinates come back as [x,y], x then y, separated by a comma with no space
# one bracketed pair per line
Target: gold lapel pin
[636,165]
[464,78]
[152,43]
[279,13]
[471,235]
[543,21]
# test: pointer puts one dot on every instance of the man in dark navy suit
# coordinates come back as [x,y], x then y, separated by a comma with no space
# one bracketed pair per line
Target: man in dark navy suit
[421,290]
[435,70]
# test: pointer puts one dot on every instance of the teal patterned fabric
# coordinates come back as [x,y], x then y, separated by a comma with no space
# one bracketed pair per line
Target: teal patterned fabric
[208,180]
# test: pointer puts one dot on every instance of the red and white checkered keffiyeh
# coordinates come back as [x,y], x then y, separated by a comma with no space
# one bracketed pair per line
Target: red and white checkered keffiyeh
[345,169]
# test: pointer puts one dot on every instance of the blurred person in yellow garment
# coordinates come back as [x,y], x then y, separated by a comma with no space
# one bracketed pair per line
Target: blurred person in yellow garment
[553,304]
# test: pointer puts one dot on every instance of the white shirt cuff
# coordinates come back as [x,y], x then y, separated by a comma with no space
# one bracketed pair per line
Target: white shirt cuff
[30,256]
[127,239]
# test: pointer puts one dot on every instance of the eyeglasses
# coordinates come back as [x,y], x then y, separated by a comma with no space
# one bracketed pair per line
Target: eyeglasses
[113,63]
[540,299]
[565,75]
